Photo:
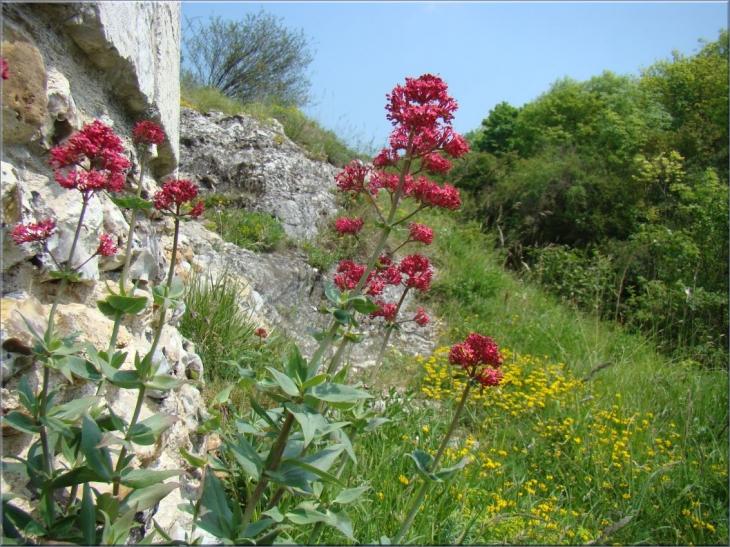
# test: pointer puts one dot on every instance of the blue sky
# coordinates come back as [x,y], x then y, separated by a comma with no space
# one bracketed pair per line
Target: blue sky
[487,52]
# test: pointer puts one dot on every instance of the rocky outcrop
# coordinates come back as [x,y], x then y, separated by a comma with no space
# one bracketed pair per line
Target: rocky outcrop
[259,163]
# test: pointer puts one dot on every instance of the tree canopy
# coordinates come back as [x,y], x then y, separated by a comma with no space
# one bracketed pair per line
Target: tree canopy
[253,60]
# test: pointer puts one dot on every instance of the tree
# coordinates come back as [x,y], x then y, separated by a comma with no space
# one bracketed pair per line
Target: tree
[254,60]
[497,135]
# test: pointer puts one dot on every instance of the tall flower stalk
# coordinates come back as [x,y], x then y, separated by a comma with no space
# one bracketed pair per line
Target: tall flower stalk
[173,200]
[89,162]
[479,360]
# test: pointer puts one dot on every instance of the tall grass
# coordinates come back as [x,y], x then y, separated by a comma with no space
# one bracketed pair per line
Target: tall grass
[593,436]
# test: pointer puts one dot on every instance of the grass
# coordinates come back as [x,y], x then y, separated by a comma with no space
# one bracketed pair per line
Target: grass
[253,230]
[637,453]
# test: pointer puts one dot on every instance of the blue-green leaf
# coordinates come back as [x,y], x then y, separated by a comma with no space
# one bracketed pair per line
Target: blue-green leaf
[286,383]
[337,393]
[99,459]
[214,515]
[148,431]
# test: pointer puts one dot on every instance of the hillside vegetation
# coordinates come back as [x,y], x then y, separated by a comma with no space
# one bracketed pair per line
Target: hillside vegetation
[606,201]
[613,194]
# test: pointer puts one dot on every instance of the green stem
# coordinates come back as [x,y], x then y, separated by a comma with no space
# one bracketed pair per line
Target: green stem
[155,342]
[272,462]
[380,245]
[133,223]
[386,339]
[421,495]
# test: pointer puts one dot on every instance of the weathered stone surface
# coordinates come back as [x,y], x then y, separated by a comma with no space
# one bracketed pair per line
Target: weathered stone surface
[257,161]
[23,93]
[142,66]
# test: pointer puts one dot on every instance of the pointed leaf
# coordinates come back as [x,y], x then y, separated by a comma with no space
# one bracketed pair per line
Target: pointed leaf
[315,381]
[144,498]
[26,396]
[341,520]
[309,420]
[78,475]
[224,395]
[163,382]
[214,515]
[263,413]
[21,422]
[296,366]
[332,292]
[423,460]
[193,460]
[343,317]
[351,494]
[126,379]
[142,478]
[88,516]
[338,393]
[447,472]
[73,410]
[148,431]
[247,456]
[99,459]
[286,383]
[131,305]
[364,305]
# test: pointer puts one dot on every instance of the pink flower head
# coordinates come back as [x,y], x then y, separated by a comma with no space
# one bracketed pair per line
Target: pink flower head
[436,164]
[488,376]
[147,132]
[421,103]
[5,69]
[418,272]
[386,158]
[96,156]
[419,232]
[479,356]
[430,194]
[27,233]
[386,311]
[348,275]
[107,246]
[421,318]
[175,193]
[349,225]
[352,178]
[261,332]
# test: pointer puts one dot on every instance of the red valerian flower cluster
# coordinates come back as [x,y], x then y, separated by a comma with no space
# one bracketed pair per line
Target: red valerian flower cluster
[386,311]
[261,332]
[422,111]
[5,69]
[27,233]
[479,356]
[420,233]
[418,272]
[345,225]
[107,246]
[175,193]
[352,178]
[349,273]
[428,193]
[147,132]
[421,318]
[95,158]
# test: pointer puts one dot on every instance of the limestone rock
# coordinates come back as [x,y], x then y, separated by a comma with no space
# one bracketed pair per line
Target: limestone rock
[258,162]
[23,94]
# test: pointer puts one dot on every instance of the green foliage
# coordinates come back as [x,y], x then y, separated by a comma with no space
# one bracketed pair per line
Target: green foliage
[220,327]
[248,229]
[631,172]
